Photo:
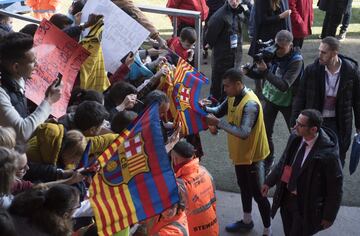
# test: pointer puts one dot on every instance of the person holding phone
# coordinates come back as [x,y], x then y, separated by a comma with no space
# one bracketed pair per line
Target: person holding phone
[17,62]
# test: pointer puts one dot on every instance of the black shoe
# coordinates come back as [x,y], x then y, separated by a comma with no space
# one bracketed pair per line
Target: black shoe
[342,35]
[205,57]
[239,226]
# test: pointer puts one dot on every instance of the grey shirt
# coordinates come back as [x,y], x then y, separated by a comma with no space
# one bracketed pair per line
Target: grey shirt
[24,127]
[248,120]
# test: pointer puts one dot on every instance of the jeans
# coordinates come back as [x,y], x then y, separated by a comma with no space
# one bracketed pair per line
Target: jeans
[250,179]
[270,113]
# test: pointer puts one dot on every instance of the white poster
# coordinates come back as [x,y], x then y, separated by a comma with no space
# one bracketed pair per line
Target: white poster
[121,35]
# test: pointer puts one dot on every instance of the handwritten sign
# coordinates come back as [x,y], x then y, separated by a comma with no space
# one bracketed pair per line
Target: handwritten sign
[121,35]
[55,53]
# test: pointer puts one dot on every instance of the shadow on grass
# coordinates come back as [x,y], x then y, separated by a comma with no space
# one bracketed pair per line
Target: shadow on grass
[349,34]
[166,31]
[319,17]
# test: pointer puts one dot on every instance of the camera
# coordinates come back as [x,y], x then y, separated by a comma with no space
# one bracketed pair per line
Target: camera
[267,51]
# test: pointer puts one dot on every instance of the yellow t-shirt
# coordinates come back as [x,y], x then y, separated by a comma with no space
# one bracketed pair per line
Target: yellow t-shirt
[92,72]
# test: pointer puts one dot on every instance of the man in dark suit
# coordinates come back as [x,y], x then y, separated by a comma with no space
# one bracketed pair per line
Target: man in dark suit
[308,178]
[331,85]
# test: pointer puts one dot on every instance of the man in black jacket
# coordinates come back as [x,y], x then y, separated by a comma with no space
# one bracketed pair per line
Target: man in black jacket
[225,39]
[331,85]
[308,178]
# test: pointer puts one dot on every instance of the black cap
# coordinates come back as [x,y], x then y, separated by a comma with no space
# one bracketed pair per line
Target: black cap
[184,149]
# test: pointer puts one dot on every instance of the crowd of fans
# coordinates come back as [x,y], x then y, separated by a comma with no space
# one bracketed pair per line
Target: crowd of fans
[43,192]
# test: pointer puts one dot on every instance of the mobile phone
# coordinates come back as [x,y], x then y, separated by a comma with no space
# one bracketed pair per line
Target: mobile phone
[124,58]
[59,78]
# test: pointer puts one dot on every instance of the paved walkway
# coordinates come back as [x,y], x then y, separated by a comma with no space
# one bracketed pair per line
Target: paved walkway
[229,210]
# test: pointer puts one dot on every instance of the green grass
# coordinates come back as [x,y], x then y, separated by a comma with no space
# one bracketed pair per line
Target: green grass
[161,22]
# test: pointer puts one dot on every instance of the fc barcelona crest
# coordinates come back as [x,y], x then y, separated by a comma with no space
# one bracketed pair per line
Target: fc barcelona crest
[129,161]
[182,97]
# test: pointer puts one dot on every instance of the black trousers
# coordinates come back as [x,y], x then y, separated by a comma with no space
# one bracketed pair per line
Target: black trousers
[290,215]
[270,113]
[298,42]
[331,124]
[218,69]
[250,179]
[330,24]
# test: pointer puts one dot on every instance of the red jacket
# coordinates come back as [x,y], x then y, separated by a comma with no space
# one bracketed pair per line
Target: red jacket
[175,45]
[194,5]
[302,17]
[119,74]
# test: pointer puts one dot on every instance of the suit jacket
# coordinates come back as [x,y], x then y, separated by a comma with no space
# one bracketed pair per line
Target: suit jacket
[319,185]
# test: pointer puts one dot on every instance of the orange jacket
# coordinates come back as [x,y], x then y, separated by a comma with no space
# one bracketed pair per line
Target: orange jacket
[176,225]
[200,199]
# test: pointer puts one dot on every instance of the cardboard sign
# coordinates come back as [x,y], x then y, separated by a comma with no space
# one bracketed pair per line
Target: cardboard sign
[121,35]
[55,53]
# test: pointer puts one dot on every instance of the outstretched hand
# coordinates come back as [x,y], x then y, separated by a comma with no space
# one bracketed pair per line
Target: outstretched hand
[213,130]
[173,139]
[204,102]
[212,120]
[53,92]
[325,224]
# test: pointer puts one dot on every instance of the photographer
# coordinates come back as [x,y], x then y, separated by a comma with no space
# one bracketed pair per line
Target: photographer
[281,78]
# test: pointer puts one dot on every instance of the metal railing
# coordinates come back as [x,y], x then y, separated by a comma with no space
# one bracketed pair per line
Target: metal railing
[10,1]
[20,17]
[157,10]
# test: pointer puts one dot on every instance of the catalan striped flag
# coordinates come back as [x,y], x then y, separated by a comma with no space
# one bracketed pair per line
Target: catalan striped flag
[135,181]
[184,90]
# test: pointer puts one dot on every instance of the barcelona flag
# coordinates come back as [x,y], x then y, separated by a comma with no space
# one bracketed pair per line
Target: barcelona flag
[183,87]
[135,181]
